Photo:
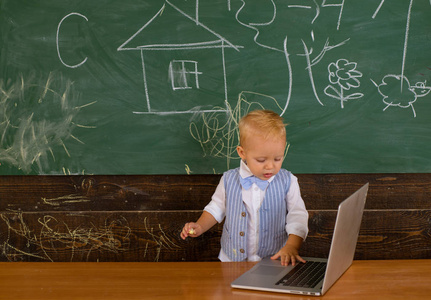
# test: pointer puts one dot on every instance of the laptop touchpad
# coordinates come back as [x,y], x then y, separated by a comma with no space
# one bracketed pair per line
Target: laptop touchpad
[268,270]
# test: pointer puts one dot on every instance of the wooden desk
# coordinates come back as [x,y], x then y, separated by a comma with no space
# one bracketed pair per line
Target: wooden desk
[389,279]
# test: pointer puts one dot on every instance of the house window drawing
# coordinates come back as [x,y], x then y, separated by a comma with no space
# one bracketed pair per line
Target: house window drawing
[184,74]
[183,63]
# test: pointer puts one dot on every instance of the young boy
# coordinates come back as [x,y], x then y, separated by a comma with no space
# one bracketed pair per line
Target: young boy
[265,214]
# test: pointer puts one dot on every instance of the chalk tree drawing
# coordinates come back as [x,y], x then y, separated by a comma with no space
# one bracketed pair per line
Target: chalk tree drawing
[315,10]
[399,96]
[184,74]
[36,117]
[344,76]
[218,134]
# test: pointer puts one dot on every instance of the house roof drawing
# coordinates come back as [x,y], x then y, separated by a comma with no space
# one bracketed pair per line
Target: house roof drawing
[165,37]
[176,40]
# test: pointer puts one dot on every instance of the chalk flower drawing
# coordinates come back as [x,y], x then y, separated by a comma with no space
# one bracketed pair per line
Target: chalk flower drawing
[36,118]
[397,91]
[343,74]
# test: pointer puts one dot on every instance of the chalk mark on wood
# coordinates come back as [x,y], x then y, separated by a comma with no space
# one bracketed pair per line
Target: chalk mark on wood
[57,235]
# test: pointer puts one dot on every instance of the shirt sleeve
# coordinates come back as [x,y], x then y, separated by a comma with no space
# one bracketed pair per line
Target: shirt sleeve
[217,205]
[297,215]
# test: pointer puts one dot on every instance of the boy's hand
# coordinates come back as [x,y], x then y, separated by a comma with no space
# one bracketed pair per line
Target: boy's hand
[205,222]
[290,252]
[191,229]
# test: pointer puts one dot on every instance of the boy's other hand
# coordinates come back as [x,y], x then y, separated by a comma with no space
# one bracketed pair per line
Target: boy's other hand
[190,229]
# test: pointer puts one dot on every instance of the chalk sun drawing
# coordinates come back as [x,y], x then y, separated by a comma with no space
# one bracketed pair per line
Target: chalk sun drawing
[36,119]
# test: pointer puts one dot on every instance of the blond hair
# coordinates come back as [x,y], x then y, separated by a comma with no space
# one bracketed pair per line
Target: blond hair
[265,123]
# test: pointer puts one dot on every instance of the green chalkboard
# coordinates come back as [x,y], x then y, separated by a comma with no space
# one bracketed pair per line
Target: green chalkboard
[156,87]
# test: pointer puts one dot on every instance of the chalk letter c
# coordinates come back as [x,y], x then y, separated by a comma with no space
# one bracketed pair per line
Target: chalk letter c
[58,47]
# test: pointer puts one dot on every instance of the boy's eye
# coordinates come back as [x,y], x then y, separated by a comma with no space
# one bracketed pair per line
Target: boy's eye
[260,160]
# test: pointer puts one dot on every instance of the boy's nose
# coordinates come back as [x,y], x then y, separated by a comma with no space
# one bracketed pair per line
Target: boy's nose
[269,165]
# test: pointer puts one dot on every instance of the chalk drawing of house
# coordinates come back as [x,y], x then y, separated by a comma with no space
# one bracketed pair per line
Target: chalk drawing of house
[183,63]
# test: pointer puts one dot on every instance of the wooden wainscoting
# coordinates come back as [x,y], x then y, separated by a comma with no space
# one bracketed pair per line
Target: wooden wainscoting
[139,217]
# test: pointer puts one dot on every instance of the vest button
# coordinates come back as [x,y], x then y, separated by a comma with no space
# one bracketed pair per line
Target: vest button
[241,233]
[242,250]
[243,214]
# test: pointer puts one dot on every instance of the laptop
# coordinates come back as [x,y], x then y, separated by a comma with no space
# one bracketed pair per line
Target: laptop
[317,275]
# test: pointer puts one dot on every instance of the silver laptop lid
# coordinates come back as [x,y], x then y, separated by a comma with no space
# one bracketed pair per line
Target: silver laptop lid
[345,237]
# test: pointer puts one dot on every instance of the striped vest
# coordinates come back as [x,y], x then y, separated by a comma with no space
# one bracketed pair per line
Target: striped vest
[272,214]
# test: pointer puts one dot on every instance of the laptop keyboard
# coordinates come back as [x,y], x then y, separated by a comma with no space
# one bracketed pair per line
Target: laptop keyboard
[306,275]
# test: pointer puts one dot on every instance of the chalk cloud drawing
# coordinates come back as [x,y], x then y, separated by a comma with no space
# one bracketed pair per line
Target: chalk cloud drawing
[343,76]
[393,96]
[396,89]
[185,76]
[36,117]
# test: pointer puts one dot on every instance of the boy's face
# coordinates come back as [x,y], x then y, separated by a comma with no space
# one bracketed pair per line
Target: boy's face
[264,157]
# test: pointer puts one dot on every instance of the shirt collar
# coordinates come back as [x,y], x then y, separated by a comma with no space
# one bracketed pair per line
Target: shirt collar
[244,171]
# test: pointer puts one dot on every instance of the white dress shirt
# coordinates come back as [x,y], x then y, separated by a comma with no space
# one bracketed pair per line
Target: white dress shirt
[296,218]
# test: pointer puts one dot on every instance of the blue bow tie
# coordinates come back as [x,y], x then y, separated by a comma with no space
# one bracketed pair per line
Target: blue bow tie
[248,182]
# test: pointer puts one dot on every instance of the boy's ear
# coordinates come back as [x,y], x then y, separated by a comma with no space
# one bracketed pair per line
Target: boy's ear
[241,152]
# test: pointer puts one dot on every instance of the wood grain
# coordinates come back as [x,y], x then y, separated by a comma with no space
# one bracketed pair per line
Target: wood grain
[365,279]
[139,218]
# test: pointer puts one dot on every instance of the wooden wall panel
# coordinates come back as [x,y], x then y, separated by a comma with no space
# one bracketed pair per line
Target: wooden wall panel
[139,218]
